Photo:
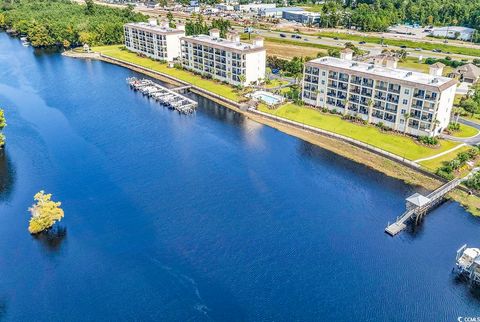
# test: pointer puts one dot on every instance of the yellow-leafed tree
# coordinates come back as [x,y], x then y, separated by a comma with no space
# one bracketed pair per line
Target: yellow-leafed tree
[44,213]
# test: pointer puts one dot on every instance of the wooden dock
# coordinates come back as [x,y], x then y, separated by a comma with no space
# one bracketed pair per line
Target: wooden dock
[418,205]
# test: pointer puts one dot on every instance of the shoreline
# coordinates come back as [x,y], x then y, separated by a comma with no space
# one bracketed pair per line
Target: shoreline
[380,163]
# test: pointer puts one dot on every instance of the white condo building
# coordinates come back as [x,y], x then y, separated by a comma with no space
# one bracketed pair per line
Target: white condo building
[155,41]
[225,59]
[380,92]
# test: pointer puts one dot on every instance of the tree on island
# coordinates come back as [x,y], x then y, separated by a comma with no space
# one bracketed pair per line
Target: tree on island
[44,213]
[3,123]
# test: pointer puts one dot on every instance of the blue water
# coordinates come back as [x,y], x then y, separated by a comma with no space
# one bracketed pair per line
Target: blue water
[210,217]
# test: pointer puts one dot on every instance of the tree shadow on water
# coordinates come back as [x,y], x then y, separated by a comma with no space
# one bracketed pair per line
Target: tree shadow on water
[52,239]
[7,176]
[3,309]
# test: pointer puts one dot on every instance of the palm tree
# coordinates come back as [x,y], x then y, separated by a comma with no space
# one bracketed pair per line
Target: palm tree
[345,106]
[407,117]
[435,124]
[242,79]
[456,112]
[370,110]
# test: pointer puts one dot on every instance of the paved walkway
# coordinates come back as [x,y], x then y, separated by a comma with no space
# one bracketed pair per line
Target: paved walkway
[473,140]
[440,154]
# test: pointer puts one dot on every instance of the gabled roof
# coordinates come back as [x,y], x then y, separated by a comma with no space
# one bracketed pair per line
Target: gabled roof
[438,65]
[468,71]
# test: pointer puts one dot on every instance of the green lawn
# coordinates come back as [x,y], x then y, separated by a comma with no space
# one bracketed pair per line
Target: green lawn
[397,42]
[275,83]
[397,144]
[434,164]
[465,131]
[412,63]
[118,51]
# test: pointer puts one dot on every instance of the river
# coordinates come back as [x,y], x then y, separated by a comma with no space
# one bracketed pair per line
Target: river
[210,217]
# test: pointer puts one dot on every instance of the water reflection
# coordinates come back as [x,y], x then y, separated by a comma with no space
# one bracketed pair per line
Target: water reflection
[3,309]
[7,176]
[52,239]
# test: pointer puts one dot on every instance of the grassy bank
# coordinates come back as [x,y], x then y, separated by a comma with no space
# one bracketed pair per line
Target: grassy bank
[434,164]
[402,42]
[465,131]
[118,52]
[400,145]
[364,157]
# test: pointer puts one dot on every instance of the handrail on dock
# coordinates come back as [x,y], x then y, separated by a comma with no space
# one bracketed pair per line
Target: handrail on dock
[431,200]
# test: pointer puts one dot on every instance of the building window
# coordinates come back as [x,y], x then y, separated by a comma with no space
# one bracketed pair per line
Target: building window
[407,92]
[323,82]
[402,121]
[403,112]
[323,73]
[405,102]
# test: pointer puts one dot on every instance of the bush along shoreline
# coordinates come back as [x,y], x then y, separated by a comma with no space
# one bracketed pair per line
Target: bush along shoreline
[64,23]
[3,123]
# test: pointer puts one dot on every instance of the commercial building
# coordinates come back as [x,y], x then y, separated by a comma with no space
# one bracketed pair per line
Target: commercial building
[155,41]
[227,60]
[411,102]
[277,12]
[453,32]
[304,17]
[256,7]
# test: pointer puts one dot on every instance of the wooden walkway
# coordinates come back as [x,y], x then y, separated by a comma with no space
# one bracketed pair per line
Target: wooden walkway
[417,212]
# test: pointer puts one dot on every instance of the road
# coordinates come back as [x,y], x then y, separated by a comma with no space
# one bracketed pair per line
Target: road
[372,48]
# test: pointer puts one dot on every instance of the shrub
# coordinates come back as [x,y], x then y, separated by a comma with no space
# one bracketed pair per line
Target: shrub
[428,140]
[44,213]
[454,126]
[444,174]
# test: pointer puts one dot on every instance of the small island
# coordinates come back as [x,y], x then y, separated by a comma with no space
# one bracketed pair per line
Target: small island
[45,213]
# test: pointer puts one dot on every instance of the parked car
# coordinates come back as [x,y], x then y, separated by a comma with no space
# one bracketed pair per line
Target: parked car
[403,46]
[361,42]
[283,35]
[418,49]
[305,39]
[336,38]
[436,50]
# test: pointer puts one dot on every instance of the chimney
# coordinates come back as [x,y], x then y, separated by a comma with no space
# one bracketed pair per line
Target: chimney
[215,33]
[436,69]
[391,62]
[346,54]
[152,21]
[180,26]
[233,36]
[258,42]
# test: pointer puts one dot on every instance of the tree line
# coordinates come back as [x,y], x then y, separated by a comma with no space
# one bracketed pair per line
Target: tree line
[196,25]
[64,23]
[378,15]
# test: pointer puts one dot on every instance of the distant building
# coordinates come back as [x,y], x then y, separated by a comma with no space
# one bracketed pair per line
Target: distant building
[154,41]
[276,12]
[224,7]
[378,93]
[453,32]
[256,7]
[227,60]
[304,17]
[468,73]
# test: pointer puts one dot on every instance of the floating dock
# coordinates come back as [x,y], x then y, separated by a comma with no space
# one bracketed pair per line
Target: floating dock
[167,97]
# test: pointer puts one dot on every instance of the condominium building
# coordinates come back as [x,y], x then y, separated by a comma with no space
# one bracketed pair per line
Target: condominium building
[155,41]
[227,60]
[407,101]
